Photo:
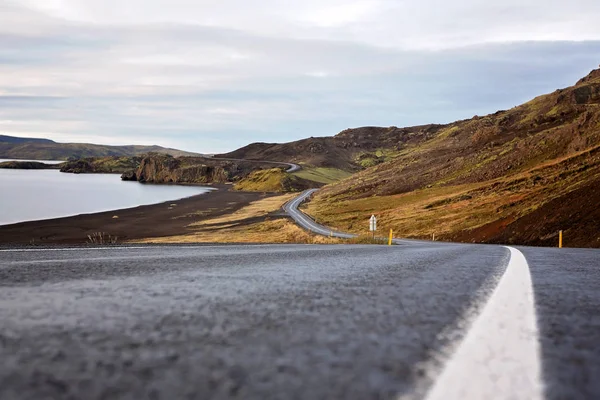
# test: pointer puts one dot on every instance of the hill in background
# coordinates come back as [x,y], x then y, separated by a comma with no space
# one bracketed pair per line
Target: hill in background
[351,150]
[19,140]
[45,149]
[515,176]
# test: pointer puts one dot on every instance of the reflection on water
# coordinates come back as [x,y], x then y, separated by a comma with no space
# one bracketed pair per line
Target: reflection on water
[27,195]
[42,161]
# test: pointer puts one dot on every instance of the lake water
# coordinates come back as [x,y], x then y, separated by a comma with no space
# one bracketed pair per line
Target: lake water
[29,195]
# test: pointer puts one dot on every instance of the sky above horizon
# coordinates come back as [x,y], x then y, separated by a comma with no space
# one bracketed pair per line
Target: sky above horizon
[211,76]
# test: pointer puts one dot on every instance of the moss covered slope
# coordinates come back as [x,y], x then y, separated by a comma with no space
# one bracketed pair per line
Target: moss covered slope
[515,176]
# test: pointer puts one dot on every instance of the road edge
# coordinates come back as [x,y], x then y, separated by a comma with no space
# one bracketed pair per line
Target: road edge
[500,354]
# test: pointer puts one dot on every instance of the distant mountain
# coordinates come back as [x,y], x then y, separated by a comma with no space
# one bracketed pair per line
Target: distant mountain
[350,150]
[45,149]
[14,139]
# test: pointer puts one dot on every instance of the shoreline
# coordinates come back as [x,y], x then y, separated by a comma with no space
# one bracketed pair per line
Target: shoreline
[209,189]
[168,218]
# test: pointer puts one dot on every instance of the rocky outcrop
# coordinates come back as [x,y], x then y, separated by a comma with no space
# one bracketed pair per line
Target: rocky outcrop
[78,167]
[592,76]
[129,176]
[158,168]
[247,175]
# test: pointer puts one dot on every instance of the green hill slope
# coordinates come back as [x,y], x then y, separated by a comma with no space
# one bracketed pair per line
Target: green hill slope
[491,179]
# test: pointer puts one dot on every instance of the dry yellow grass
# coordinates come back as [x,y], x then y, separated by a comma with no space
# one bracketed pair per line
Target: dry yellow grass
[273,180]
[260,208]
[236,228]
[279,230]
[446,210]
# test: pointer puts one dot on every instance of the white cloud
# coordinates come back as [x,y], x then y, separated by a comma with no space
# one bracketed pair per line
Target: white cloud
[431,24]
[195,71]
[339,15]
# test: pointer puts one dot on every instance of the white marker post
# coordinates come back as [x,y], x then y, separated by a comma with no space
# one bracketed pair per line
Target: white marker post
[373,224]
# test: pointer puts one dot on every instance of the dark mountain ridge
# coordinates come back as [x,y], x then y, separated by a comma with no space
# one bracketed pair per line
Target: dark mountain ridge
[45,149]
[348,150]
[14,139]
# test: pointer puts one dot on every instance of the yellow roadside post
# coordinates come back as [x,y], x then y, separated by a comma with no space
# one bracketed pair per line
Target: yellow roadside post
[560,239]
[391,237]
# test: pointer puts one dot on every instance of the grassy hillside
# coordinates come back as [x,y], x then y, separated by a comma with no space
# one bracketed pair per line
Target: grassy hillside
[104,165]
[515,176]
[44,149]
[272,180]
[322,175]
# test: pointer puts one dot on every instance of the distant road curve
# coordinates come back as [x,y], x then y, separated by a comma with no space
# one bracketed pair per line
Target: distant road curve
[291,208]
[306,222]
[291,167]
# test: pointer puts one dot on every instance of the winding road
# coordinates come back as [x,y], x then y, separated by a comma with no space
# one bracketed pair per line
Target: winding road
[306,222]
[291,208]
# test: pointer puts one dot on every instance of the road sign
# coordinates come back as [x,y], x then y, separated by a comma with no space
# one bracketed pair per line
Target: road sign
[373,223]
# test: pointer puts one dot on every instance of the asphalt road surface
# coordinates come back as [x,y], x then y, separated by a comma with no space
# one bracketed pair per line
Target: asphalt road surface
[300,322]
[291,208]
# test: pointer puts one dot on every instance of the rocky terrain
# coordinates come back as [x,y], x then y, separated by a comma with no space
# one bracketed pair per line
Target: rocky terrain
[45,149]
[515,176]
[249,175]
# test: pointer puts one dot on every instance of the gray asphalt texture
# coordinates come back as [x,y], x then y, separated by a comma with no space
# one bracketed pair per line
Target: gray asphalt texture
[274,322]
[251,322]
[566,285]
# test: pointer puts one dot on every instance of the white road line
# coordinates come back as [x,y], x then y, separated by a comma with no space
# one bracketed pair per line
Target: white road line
[499,358]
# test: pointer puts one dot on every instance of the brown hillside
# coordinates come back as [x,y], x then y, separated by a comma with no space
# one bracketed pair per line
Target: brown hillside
[44,149]
[350,150]
[505,177]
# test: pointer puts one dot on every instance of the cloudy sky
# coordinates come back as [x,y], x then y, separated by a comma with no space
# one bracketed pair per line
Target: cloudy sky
[213,75]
